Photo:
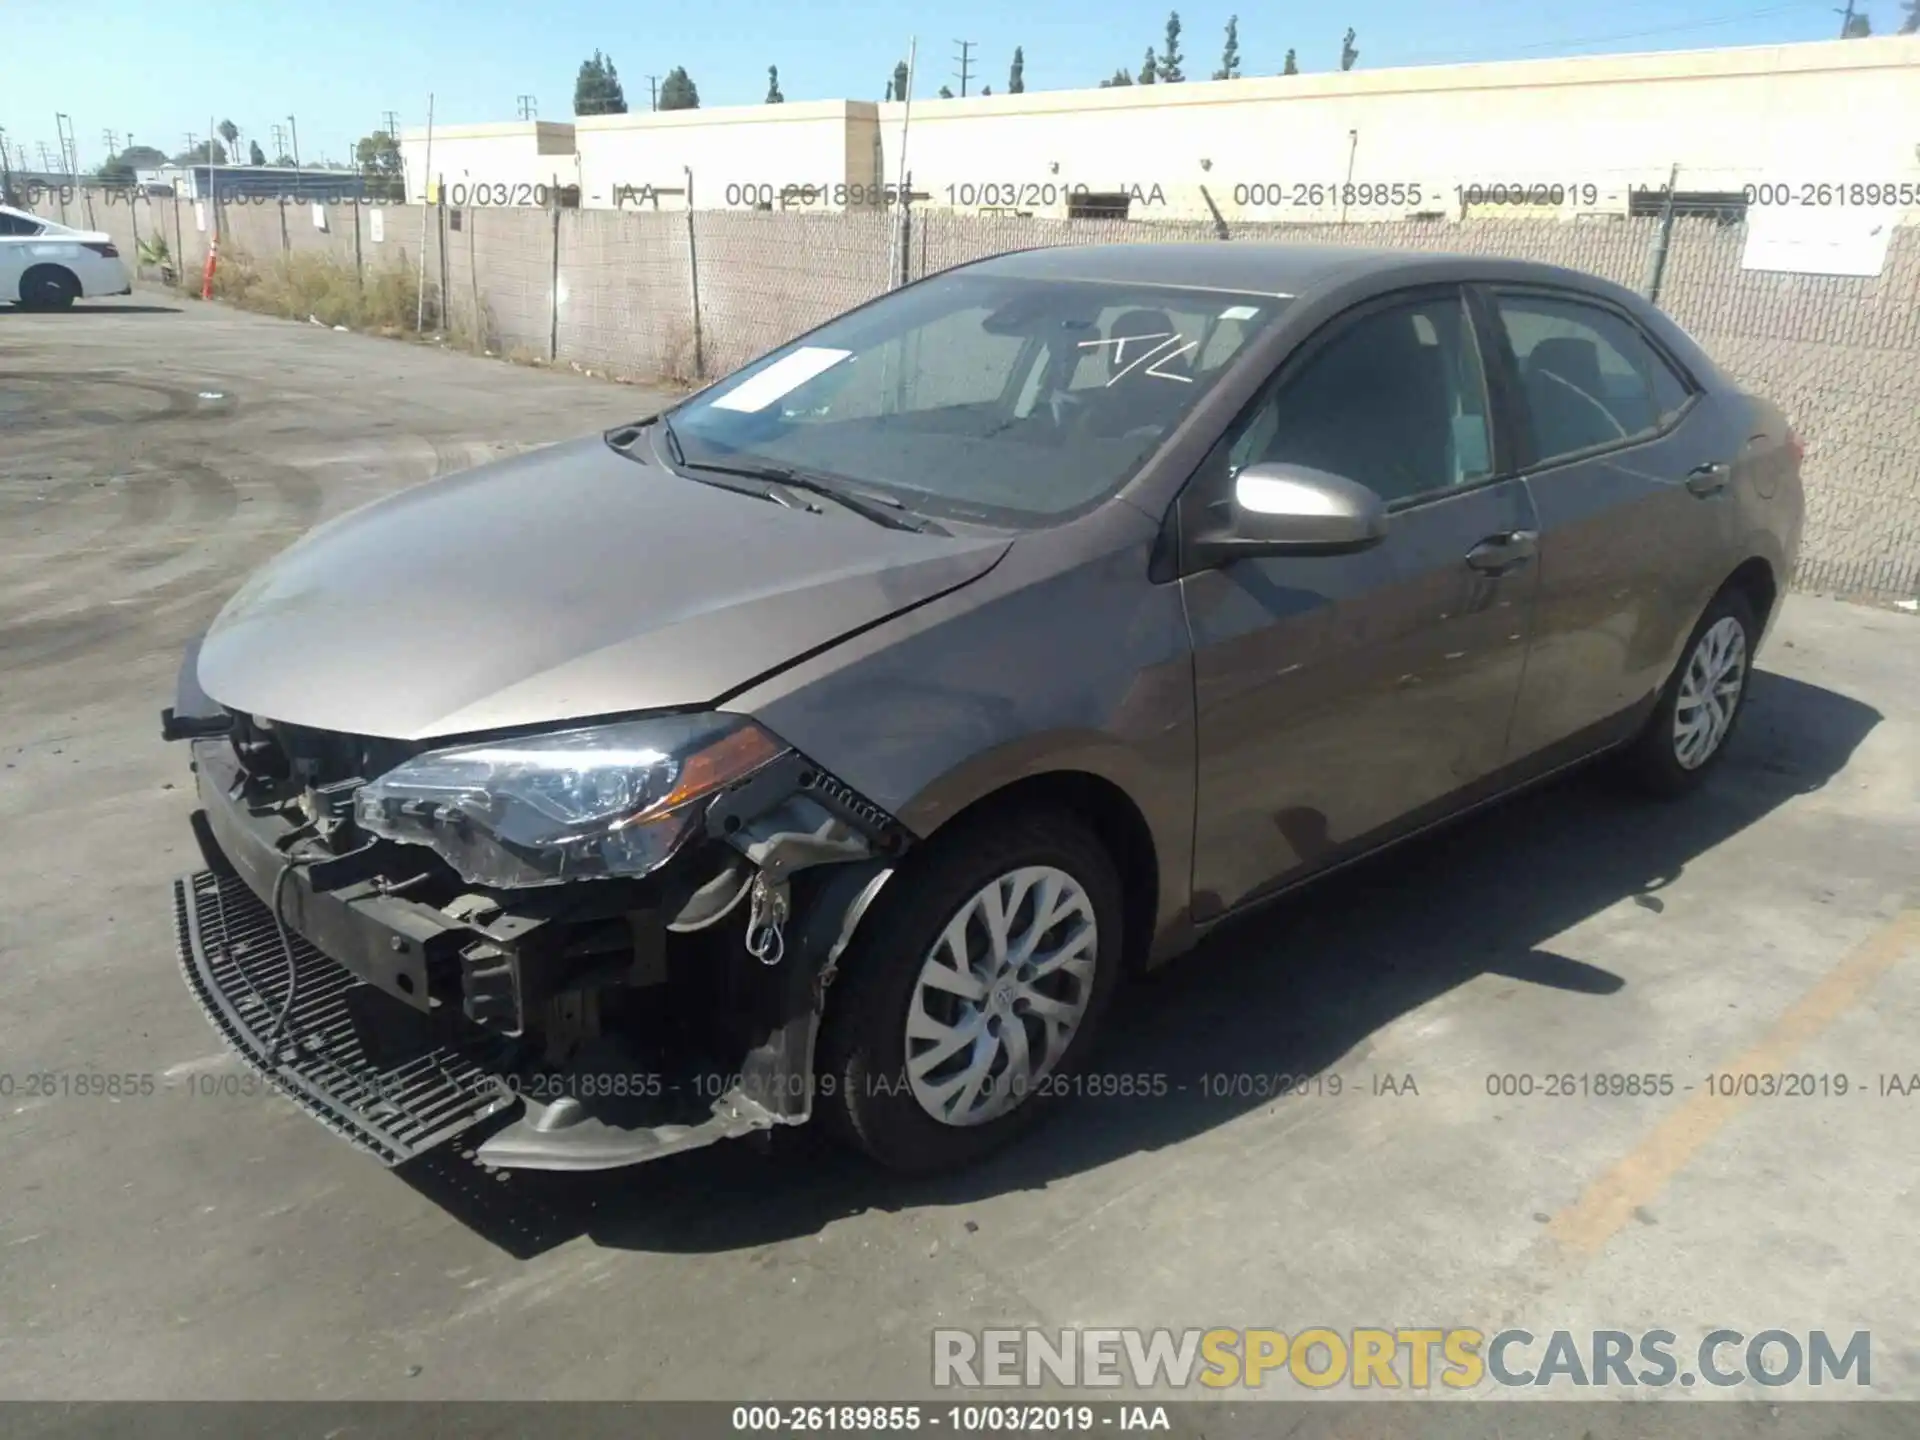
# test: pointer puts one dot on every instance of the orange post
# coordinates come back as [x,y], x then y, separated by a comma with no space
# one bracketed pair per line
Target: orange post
[206,278]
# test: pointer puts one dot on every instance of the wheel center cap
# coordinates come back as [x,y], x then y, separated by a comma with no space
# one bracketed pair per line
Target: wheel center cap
[1003,995]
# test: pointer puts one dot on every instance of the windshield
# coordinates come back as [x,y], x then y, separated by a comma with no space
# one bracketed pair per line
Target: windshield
[1011,401]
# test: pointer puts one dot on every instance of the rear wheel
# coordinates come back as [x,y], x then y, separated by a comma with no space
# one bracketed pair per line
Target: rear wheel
[48,287]
[972,997]
[1701,702]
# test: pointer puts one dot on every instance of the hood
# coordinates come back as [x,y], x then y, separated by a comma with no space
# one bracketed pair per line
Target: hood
[563,584]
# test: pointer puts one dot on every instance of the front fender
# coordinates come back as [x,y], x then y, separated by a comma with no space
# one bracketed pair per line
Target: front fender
[1065,659]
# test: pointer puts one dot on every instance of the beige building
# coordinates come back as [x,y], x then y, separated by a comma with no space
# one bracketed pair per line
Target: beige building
[1552,137]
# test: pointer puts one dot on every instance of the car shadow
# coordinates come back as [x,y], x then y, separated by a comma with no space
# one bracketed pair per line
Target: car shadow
[1290,991]
[86,308]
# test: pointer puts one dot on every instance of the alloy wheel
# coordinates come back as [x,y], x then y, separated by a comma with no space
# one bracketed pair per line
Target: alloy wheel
[1001,995]
[1710,692]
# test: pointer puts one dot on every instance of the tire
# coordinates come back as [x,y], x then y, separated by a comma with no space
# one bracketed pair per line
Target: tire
[48,287]
[877,1098]
[1662,761]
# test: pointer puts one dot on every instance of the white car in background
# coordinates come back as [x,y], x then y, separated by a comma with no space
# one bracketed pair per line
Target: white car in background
[48,266]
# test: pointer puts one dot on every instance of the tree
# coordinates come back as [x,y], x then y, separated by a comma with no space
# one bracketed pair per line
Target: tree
[198,154]
[1911,25]
[677,91]
[1150,71]
[1347,53]
[255,155]
[230,133]
[1230,53]
[1292,65]
[1017,77]
[900,81]
[774,97]
[1171,57]
[118,169]
[377,156]
[1120,77]
[596,90]
[945,93]
[986,89]
[1858,27]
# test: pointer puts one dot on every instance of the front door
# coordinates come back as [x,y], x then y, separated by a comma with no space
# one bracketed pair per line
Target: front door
[1343,697]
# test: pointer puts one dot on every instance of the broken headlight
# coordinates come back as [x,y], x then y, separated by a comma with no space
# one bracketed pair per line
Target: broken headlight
[573,805]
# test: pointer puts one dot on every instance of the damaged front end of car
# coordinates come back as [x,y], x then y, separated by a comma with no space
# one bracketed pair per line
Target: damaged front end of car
[572,950]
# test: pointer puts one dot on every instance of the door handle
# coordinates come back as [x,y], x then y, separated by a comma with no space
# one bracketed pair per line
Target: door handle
[1509,550]
[1710,479]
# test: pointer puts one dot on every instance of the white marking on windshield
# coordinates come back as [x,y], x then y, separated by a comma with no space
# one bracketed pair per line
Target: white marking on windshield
[1164,338]
[785,375]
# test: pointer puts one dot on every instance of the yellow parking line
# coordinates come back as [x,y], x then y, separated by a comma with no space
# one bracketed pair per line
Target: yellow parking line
[1605,1206]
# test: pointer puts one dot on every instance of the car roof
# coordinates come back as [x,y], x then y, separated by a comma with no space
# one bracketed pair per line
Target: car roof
[1265,268]
[29,215]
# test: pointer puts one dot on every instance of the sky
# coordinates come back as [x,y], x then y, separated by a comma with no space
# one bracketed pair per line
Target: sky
[157,73]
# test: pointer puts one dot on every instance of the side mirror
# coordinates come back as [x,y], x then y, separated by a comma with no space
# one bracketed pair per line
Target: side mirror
[1284,509]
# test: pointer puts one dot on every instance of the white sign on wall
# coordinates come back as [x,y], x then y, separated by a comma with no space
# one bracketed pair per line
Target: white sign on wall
[376,225]
[200,216]
[1818,240]
[319,216]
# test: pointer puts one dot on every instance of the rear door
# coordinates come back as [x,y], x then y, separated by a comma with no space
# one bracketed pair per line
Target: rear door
[1342,698]
[1628,470]
[15,233]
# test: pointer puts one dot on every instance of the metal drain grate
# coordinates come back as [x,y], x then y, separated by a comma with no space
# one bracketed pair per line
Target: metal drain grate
[236,968]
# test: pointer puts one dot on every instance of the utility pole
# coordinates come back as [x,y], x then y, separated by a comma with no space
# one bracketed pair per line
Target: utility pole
[966,65]
[69,150]
[293,133]
[529,106]
[113,142]
[653,89]
[391,118]
[1846,19]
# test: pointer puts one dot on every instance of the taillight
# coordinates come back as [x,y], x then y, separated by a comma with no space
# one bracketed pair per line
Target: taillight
[101,247]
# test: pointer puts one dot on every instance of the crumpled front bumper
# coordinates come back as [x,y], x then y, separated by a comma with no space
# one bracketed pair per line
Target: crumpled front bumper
[332,1004]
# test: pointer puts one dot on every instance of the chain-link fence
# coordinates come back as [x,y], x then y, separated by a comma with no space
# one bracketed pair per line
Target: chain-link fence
[688,295]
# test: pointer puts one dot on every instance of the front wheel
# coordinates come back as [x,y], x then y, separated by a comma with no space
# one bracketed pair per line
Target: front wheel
[970,1000]
[1694,718]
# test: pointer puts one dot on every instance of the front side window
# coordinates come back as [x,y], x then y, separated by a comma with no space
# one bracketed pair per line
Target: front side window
[1589,377]
[1396,400]
[1012,401]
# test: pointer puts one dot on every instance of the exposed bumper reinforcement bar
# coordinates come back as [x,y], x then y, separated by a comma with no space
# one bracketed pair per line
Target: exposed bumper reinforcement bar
[398,1108]
[237,970]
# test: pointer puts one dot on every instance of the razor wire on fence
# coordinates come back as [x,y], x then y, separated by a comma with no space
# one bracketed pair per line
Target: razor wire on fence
[652,291]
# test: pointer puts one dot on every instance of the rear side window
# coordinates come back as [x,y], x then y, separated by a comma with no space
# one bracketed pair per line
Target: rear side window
[18,225]
[1590,378]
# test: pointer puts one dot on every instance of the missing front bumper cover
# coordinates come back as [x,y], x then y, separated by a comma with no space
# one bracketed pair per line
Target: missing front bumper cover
[397,1070]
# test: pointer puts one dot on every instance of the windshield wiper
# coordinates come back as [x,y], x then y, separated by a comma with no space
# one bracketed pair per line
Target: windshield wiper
[673,441]
[880,509]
